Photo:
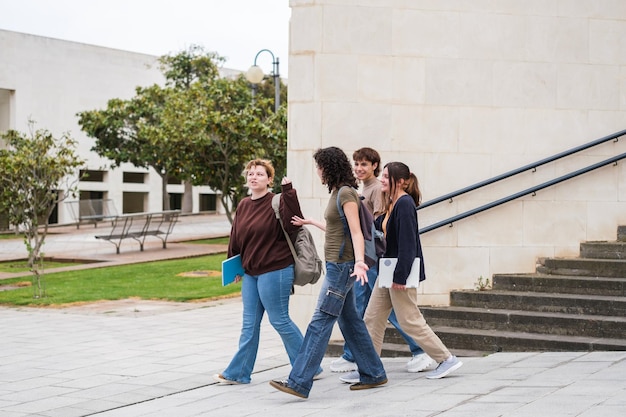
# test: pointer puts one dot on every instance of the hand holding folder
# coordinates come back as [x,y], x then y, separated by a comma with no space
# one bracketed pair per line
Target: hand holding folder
[231,268]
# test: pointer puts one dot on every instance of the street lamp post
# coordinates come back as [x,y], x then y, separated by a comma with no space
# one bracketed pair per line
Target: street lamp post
[255,75]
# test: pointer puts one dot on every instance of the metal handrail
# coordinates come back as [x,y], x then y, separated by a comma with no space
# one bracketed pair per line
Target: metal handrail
[534,165]
[530,190]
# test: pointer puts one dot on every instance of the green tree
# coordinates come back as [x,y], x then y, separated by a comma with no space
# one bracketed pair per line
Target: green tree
[135,130]
[32,170]
[132,131]
[198,128]
[232,129]
[181,70]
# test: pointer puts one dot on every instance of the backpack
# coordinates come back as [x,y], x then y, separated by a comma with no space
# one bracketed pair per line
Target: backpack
[374,239]
[307,263]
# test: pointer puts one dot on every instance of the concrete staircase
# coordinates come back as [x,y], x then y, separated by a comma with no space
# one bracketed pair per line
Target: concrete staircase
[568,304]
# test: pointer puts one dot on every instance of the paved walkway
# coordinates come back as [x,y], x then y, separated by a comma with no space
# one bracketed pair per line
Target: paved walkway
[141,358]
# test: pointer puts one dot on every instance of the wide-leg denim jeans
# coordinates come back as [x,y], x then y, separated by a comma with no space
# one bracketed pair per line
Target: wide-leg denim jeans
[266,292]
[362,294]
[336,303]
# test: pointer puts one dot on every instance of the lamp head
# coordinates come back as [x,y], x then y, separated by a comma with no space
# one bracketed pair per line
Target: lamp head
[255,74]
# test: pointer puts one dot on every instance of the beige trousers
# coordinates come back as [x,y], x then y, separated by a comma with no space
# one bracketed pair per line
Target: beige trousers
[404,303]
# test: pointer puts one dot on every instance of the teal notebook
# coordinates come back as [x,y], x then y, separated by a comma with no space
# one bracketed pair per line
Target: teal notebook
[231,267]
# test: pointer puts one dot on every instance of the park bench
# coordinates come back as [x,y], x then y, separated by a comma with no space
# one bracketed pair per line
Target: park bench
[92,211]
[138,226]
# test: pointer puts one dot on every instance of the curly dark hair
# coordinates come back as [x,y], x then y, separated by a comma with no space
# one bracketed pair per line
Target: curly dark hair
[336,168]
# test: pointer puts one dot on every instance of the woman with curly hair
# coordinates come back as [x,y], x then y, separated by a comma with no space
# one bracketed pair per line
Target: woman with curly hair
[336,303]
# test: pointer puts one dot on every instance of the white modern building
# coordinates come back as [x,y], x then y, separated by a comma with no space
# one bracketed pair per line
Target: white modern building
[50,81]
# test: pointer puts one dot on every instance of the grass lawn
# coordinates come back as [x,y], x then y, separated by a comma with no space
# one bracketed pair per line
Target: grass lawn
[21,266]
[159,280]
[213,241]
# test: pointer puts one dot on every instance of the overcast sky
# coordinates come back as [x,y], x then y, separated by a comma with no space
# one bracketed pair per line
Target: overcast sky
[235,29]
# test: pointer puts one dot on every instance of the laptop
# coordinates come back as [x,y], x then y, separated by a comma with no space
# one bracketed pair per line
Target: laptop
[386,266]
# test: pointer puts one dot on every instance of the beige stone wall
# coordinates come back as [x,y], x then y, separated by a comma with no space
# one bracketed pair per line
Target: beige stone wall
[462,91]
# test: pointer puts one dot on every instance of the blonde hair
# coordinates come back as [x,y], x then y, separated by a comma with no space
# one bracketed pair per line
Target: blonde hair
[266,164]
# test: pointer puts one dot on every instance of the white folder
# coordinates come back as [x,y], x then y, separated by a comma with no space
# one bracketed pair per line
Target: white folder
[386,266]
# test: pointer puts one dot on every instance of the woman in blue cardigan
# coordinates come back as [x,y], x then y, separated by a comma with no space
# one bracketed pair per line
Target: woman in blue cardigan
[399,224]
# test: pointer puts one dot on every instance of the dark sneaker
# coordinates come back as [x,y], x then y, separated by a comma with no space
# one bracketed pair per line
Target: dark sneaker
[361,385]
[282,386]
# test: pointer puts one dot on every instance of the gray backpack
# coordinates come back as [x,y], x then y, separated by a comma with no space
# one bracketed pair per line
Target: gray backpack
[308,265]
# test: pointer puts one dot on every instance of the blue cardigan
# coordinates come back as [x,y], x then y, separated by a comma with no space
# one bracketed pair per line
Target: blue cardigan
[403,241]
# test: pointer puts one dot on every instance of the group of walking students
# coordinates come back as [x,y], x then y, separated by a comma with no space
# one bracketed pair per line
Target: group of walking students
[348,295]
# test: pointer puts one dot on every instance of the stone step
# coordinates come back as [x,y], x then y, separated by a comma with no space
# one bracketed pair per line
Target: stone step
[500,341]
[390,350]
[561,284]
[398,350]
[543,302]
[527,321]
[583,267]
[603,250]
[568,304]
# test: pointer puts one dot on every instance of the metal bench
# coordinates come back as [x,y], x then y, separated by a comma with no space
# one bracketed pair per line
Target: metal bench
[92,211]
[138,226]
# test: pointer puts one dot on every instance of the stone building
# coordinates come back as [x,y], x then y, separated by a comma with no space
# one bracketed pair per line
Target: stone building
[463,91]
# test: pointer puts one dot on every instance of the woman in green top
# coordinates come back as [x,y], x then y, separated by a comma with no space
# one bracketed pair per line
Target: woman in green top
[336,301]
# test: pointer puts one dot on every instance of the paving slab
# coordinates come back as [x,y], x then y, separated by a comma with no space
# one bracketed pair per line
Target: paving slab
[131,358]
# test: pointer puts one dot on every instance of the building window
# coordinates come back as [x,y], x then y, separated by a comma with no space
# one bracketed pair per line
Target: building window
[5,110]
[134,202]
[208,202]
[90,175]
[134,177]
[176,201]
[91,195]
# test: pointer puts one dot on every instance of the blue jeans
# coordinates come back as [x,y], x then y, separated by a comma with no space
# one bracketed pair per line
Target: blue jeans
[363,293]
[266,292]
[336,303]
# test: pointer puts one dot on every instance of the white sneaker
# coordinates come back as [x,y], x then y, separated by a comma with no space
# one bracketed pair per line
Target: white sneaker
[449,365]
[222,379]
[351,377]
[342,365]
[420,362]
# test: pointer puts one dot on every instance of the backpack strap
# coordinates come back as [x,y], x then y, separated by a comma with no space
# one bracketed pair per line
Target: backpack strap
[344,221]
[275,206]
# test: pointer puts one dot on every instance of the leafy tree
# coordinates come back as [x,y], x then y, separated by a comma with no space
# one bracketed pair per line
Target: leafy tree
[32,169]
[232,129]
[186,67]
[199,128]
[134,130]
[181,71]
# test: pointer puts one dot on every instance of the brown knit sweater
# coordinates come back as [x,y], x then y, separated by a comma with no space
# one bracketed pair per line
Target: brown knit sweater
[256,234]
